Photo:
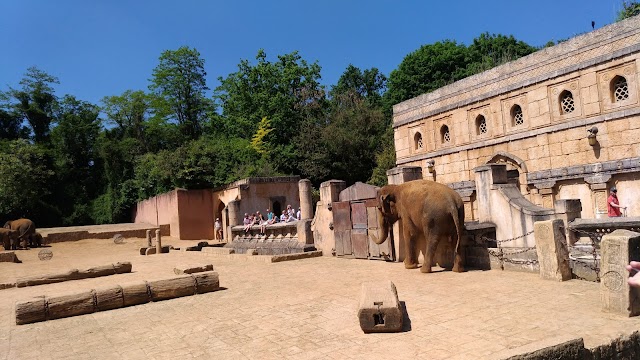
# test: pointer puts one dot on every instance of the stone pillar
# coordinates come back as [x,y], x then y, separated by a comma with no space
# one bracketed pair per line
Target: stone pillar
[306,203]
[305,235]
[148,238]
[466,196]
[486,176]
[553,255]
[330,191]
[233,207]
[568,210]
[598,186]
[158,242]
[617,249]
[403,174]
[545,191]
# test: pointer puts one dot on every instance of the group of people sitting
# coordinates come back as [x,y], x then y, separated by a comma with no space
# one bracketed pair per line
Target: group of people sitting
[289,215]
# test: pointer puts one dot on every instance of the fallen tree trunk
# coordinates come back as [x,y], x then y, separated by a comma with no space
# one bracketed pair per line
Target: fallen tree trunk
[113,297]
[75,274]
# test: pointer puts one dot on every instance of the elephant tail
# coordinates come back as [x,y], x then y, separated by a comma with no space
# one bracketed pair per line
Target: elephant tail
[31,229]
[458,220]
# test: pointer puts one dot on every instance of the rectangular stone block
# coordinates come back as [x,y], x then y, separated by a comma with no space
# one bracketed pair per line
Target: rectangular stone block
[192,268]
[8,256]
[379,309]
[296,256]
[217,250]
[551,247]
[617,250]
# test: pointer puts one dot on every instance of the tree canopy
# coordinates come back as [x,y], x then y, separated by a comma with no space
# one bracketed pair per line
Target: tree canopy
[65,161]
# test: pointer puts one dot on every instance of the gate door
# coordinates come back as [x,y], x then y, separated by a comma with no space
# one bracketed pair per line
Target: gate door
[386,250]
[359,239]
[342,227]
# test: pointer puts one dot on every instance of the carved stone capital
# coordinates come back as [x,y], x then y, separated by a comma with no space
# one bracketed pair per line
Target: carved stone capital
[545,185]
[597,179]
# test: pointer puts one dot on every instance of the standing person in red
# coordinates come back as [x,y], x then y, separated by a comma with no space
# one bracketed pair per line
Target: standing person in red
[613,206]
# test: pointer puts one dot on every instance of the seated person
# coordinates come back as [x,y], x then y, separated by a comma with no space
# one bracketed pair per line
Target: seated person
[271,218]
[291,218]
[283,217]
[248,223]
[298,214]
[260,220]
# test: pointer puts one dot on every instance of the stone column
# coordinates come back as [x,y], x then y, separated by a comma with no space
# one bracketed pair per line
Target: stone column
[330,191]
[553,255]
[403,174]
[545,191]
[233,207]
[158,242]
[598,185]
[306,203]
[569,210]
[618,248]
[486,176]
[148,238]
[466,196]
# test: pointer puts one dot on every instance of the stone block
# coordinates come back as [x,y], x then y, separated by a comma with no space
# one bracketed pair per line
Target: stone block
[617,249]
[296,256]
[9,256]
[152,250]
[379,309]
[553,256]
[192,268]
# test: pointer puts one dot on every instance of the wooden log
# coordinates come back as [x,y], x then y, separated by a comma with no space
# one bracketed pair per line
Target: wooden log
[108,298]
[172,288]
[71,305]
[206,281]
[30,311]
[192,268]
[135,293]
[73,274]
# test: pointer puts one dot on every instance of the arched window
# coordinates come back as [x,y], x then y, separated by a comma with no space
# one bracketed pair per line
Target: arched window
[619,89]
[481,125]
[567,105]
[417,141]
[517,118]
[445,136]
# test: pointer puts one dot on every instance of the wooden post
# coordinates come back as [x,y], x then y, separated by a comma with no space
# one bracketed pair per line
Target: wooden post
[158,242]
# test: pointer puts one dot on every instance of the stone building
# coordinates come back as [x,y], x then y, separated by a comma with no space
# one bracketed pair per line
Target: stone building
[565,120]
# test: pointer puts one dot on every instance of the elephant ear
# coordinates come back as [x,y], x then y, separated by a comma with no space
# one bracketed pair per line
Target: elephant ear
[388,203]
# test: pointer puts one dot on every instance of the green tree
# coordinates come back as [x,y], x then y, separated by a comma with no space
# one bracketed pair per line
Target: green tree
[488,51]
[35,102]
[369,84]
[78,170]
[129,113]
[259,140]
[385,159]
[286,91]
[629,9]
[24,180]
[179,83]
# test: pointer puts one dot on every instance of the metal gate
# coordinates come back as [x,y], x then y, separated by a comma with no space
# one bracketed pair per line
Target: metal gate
[355,225]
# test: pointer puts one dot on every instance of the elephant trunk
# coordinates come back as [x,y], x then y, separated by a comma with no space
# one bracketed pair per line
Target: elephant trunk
[384,227]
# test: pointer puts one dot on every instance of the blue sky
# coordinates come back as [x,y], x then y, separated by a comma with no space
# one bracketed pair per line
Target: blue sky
[99,48]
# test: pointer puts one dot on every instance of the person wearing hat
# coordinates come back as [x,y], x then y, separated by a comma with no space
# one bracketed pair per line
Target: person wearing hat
[613,205]
[218,228]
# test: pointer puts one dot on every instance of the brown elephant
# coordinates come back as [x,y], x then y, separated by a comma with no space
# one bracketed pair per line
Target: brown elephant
[8,238]
[25,228]
[429,212]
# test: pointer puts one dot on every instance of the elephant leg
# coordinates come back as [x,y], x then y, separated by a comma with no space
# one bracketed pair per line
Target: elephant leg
[432,246]
[458,261]
[411,253]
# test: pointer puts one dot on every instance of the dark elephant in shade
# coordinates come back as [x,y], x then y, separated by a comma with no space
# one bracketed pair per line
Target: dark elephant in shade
[25,228]
[8,238]
[429,212]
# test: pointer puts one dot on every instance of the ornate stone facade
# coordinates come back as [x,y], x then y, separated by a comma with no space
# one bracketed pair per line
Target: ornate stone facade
[565,120]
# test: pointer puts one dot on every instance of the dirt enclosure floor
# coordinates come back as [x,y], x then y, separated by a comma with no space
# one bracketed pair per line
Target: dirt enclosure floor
[303,309]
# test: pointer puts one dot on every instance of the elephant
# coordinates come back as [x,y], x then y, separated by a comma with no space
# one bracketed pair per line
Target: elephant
[429,213]
[25,228]
[36,240]
[8,238]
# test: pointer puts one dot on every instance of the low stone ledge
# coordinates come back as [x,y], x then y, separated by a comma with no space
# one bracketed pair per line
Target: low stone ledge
[217,250]
[7,285]
[152,250]
[191,268]
[296,256]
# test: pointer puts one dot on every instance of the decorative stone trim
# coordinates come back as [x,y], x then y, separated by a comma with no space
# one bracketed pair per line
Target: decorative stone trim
[581,122]
[592,173]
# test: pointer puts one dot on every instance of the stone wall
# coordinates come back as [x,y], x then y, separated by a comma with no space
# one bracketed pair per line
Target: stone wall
[514,114]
